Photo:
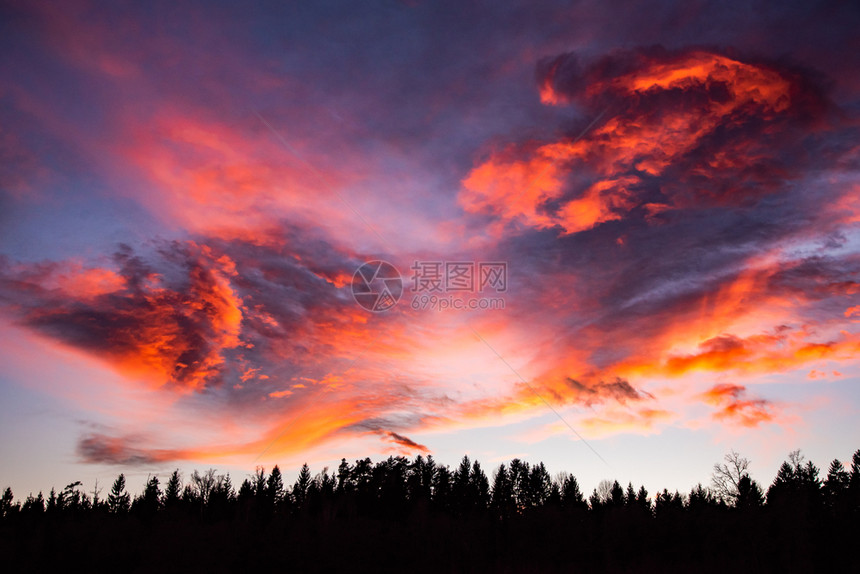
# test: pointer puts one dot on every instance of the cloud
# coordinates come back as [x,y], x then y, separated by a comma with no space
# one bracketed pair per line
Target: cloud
[664,130]
[406,442]
[734,407]
[762,353]
[614,421]
[619,390]
[667,214]
[102,449]
[171,327]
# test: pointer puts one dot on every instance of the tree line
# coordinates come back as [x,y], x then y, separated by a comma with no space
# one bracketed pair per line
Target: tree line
[799,519]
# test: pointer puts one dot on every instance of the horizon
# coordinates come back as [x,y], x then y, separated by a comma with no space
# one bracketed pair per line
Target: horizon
[620,240]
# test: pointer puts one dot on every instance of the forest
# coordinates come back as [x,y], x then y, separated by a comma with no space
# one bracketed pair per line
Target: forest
[417,515]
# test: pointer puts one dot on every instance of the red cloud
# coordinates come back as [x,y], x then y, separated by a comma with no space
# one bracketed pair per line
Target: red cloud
[407,443]
[165,330]
[734,407]
[663,111]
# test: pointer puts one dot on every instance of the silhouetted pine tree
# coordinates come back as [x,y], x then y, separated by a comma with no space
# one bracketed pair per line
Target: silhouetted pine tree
[502,499]
[274,491]
[642,500]
[51,506]
[300,489]
[479,488]
[119,500]
[7,503]
[571,495]
[854,483]
[33,506]
[442,488]
[699,499]
[461,494]
[539,485]
[630,496]
[519,471]
[666,504]
[419,483]
[836,486]
[173,490]
[616,495]
[796,486]
[750,494]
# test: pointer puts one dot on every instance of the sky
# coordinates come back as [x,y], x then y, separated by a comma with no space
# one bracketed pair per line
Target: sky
[621,238]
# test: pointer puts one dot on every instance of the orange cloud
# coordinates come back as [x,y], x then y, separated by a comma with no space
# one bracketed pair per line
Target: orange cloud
[545,186]
[734,407]
[763,353]
[615,421]
[145,326]
[406,443]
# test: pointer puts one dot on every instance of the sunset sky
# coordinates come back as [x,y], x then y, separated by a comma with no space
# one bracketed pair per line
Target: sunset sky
[187,189]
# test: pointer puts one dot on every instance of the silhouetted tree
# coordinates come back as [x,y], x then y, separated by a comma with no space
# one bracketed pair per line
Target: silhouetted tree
[419,480]
[344,482]
[150,501]
[750,494]
[34,506]
[442,488]
[602,495]
[539,485]
[519,471]
[479,487]
[642,499]
[7,503]
[796,484]
[173,490]
[595,501]
[803,523]
[325,484]
[727,476]
[461,491]
[274,491]
[666,503]
[119,500]
[98,504]
[51,506]
[502,499]
[853,495]
[302,485]
[72,500]
[616,495]
[836,485]
[571,495]
[203,485]
[221,498]
[630,496]
[699,498]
